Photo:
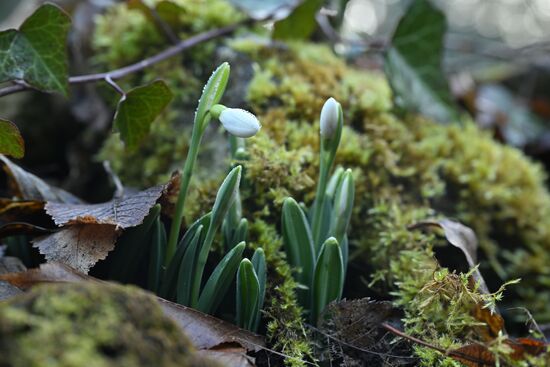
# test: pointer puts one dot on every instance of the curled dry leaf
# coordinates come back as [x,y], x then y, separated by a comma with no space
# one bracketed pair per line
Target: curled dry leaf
[125,212]
[462,237]
[26,186]
[80,246]
[89,231]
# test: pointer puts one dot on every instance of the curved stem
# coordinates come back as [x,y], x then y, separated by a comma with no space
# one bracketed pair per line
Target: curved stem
[184,186]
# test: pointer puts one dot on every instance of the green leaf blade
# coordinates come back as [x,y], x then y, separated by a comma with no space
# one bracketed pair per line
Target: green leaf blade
[11,141]
[212,93]
[413,63]
[219,282]
[248,291]
[298,240]
[328,278]
[138,109]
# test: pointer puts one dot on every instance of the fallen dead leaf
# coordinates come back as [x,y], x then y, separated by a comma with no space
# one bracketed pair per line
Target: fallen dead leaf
[9,265]
[89,231]
[26,186]
[462,237]
[79,246]
[17,228]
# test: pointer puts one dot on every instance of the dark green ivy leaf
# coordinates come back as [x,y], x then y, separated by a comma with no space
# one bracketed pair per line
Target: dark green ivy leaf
[413,63]
[300,23]
[138,109]
[37,52]
[11,142]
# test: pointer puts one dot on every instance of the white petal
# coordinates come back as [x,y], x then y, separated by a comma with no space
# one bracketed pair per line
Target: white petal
[329,117]
[240,123]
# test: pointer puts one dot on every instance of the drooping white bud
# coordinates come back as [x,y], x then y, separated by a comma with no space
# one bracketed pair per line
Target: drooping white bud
[329,117]
[240,123]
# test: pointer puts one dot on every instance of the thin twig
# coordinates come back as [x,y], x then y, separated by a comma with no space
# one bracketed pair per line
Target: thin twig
[115,86]
[138,66]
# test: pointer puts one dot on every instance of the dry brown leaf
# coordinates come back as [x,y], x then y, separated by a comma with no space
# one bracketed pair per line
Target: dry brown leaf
[494,323]
[206,331]
[9,265]
[229,356]
[125,212]
[79,246]
[27,186]
[17,228]
[89,231]
[474,355]
[12,210]
[46,273]
[462,237]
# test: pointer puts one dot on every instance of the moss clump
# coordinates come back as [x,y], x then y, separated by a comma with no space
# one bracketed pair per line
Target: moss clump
[89,324]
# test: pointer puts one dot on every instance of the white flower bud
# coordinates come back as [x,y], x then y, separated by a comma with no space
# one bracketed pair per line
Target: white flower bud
[329,117]
[240,123]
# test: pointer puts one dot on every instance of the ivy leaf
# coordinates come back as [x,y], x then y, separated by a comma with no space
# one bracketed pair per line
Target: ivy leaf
[300,23]
[413,63]
[138,109]
[37,52]
[11,142]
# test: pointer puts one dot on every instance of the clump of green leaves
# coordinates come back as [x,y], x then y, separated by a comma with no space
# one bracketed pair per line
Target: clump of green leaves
[318,246]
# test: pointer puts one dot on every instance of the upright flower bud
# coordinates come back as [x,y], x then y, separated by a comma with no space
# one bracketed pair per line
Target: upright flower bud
[236,121]
[329,118]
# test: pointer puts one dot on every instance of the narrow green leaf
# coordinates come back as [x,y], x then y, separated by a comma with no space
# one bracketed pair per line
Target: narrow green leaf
[260,267]
[156,255]
[186,274]
[241,233]
[301,22]
[343,206]
[328,278]
[224,199]
[212,93]
[334,182]
[248,292]
[37,53]
[218,284]
[11,141]
[169,280]
[131,247]
[138,109]
[413,63]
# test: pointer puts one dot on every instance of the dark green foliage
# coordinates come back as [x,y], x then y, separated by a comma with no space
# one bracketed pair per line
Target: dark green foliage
[37,52]
[138,109]
[413,63]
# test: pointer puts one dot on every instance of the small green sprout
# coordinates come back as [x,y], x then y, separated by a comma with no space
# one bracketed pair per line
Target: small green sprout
[319,248]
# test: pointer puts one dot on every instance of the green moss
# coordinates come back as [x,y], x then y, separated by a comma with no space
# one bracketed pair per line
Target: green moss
[406,168]
[89,324]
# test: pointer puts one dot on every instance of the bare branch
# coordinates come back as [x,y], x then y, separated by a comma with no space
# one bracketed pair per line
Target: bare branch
[145,63]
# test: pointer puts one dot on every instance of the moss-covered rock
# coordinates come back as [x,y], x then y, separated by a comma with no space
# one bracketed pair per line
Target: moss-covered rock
[89,324]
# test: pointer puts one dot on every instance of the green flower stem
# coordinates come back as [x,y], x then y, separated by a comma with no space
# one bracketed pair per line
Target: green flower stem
[327,158]
[184,186]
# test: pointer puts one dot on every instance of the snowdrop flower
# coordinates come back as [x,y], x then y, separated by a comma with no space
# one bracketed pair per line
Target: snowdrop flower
[329,118]
[236,121]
